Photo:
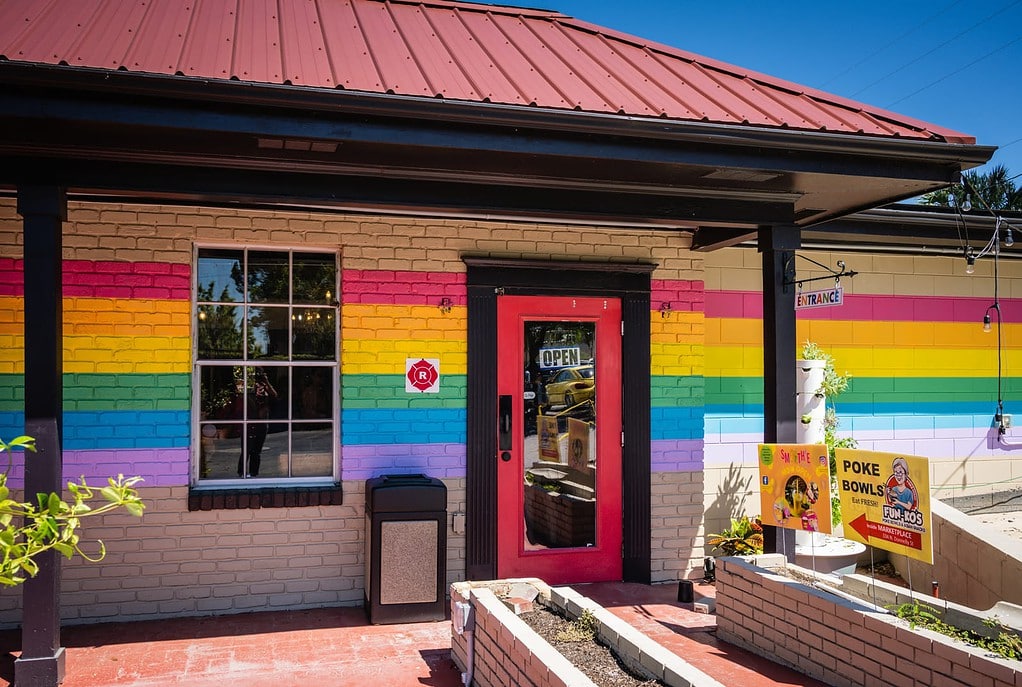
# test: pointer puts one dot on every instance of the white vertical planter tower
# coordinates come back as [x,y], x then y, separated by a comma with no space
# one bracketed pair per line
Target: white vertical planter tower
[821,552]
[811,401]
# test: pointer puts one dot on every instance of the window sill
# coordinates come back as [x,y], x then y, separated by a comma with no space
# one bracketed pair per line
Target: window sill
[264,497]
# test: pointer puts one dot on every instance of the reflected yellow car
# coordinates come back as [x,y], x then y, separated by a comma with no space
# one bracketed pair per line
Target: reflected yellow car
[571,386]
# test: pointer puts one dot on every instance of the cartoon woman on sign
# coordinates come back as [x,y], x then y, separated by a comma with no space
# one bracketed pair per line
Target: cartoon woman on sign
[901,491]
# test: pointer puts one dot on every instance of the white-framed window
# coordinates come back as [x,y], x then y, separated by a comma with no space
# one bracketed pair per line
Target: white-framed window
[266,375]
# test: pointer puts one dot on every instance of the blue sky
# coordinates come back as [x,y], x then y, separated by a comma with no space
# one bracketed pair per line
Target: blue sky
[955,63]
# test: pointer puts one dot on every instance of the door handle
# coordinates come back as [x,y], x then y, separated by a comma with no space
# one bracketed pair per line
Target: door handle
[504,422]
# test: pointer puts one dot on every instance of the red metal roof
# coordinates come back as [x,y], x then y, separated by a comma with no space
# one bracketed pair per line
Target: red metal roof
[434,49]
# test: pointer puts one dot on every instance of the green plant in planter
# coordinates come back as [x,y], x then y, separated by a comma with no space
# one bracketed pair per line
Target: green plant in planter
[743,538]
[27,530]
[1007,644]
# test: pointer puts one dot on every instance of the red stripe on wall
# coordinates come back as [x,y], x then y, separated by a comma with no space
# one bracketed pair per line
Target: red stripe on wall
[402,288]
[749,305]
[108,279]
[682,294]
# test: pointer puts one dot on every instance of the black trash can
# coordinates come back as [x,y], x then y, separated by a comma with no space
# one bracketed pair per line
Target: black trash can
[406,549]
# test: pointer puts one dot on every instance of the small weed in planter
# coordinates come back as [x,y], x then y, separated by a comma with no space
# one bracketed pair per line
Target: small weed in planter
[1006,644]
[743,538]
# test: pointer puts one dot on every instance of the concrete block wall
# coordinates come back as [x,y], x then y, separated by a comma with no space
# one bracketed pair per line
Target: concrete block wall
[842,642]
[974,564]
[923,373]
[128,390]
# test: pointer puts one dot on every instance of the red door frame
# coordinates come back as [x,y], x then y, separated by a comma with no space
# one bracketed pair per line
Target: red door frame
[603,561]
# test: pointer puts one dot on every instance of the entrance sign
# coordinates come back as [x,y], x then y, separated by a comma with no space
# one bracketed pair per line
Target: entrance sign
[794,486]
[885,501]
[550,358]
[422,375]
[819,299]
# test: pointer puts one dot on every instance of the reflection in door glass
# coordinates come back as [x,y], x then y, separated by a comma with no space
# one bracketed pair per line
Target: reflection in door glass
[559,385]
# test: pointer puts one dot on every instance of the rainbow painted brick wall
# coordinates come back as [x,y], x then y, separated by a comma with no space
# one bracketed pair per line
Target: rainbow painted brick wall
[126,361]
[924,374]
[128,389]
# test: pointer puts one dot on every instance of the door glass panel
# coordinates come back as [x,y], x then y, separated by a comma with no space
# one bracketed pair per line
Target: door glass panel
[559,463]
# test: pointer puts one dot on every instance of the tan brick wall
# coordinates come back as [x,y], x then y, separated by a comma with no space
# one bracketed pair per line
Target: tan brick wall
[676,512]
[173,562]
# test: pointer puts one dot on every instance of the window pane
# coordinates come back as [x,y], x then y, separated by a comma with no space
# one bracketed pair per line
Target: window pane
[219,277]
[268,277]
[315,334]
[265,450]
[315,278]
[219,450]
[268,333]
[312,393]
[218,389]
[219,331]
[312,449]
[267,393]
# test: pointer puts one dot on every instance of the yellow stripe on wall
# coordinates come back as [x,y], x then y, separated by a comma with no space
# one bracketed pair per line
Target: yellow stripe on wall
[101,316]
[395,322]
[747,361]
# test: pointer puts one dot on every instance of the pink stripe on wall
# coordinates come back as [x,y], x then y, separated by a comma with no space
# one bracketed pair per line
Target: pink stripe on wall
[749,305]
[108,279]
[682,294]
[404,288]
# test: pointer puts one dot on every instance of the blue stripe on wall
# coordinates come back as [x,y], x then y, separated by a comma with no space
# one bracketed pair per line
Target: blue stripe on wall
[111,429]
[361,426]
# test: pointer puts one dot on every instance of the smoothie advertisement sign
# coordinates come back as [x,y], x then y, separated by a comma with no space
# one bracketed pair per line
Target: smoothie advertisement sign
[794,486]
[885,501]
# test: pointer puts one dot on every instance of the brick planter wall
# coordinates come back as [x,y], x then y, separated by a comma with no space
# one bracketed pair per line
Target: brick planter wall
[506,651]
[840,641]
[559,520]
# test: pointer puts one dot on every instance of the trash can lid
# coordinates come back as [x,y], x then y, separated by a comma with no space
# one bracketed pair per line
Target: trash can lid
[405,494]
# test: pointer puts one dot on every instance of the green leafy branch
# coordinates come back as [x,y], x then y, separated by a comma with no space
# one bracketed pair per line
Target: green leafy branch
[52,523]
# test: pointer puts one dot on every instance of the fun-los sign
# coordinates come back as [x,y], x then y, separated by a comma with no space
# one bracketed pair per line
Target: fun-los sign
[794,486]
[885,501]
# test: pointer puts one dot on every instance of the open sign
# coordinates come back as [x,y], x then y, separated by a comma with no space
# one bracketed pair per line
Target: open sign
[559,357]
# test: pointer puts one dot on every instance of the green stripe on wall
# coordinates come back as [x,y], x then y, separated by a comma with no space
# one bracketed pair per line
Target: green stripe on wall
[96,392]
[676,392]
[388,391]
[865,389]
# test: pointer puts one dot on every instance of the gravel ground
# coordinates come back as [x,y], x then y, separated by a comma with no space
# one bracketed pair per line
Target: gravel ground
[1008,523]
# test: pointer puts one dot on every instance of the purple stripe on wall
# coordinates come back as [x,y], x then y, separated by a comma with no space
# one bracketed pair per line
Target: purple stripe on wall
[676,455]
[372,460]
[403,288]
[749,304]
[167,467]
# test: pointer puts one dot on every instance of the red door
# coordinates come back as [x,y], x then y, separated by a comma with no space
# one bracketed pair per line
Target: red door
[559,438]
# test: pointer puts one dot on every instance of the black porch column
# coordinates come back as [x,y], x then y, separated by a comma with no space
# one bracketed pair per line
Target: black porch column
[44,209]
[778,244]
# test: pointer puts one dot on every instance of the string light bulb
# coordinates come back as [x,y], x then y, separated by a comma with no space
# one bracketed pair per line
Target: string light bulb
[966,203]
[986,323]
[970,262]
[1009,240]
